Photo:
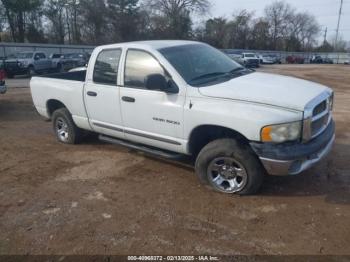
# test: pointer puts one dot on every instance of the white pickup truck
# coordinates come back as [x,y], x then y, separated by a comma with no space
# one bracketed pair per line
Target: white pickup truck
[175,98]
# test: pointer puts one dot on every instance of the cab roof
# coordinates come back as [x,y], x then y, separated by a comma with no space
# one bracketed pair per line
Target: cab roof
[155,44]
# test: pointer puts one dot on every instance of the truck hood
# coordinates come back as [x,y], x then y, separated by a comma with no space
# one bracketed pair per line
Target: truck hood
[276,90]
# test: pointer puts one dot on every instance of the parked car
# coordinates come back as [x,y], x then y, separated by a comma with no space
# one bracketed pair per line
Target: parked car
[235,57]
[295,60]
[60,63]
[266,59]
[328,61]
[276,59]
[249,60]
[175,98]
[27,63]
[316,60]
[78,59]
[3,88]
[347,62]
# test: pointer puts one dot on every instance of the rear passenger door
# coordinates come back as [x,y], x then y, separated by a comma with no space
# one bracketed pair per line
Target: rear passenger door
[102,94]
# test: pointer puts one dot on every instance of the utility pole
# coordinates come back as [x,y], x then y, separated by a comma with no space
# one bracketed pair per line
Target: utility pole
[325,36]
[337,34]
[68,25]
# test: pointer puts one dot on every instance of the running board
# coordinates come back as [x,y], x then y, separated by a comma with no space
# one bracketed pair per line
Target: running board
[149,150]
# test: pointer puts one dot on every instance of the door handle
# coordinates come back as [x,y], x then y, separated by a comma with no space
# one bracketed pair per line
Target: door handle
[128,99]
[90,93]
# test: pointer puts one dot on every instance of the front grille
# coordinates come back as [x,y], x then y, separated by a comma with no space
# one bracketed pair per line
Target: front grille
[10,64]
[318,125]
[320,108]
[320,118]
[253,61]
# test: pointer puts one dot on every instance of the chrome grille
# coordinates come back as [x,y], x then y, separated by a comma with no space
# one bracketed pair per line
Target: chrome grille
[318,125]
[320,108]
[317,116]
[320,118]
[10,64]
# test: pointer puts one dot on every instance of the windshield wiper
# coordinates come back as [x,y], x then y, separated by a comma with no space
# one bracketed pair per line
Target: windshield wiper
[209,75]
[237,70]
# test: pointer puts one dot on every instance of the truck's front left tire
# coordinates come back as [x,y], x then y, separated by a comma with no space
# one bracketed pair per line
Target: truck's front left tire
[229,167]
[65,129]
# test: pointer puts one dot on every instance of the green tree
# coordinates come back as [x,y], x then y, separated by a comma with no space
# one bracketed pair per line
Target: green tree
[175,16]
[94,22]
[54,12]
[124,18]
[260,37]
[16,12]
[215,32]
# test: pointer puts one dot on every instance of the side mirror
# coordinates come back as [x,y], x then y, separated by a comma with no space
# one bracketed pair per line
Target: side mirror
[159,82]
[36,58]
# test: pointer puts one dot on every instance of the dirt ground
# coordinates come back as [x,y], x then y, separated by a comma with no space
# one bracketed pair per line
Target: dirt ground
[96,198]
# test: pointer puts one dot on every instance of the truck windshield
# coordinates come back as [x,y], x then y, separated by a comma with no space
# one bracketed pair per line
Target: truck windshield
[201,64]
[23,55]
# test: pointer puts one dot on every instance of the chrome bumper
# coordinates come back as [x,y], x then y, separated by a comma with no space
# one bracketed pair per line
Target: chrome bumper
[294,167]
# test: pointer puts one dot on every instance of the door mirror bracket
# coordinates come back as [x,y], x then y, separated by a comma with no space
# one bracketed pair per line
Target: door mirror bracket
[159,82]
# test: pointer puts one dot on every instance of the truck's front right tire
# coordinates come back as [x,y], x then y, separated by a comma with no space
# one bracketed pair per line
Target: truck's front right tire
[65,129]
[229,167]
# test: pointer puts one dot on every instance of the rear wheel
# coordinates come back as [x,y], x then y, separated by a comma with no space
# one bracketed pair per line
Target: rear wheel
[65,129]
[229,167]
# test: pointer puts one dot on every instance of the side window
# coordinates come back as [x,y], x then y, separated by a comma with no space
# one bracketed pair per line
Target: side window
[106,67]
[39,56]
[139,65]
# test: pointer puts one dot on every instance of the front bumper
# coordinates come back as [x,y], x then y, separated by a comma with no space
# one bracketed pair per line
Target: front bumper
[16,70]
[294,158]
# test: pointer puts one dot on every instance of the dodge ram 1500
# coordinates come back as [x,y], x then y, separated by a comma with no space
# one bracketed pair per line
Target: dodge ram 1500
[175,98]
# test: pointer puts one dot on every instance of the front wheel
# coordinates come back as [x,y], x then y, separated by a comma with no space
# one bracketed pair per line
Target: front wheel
[31,71]
[229,167]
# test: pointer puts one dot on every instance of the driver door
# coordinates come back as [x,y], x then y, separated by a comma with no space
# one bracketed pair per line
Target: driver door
[151,117]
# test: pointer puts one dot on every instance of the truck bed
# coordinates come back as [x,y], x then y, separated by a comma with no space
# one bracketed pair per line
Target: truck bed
[67,88]
[73,76]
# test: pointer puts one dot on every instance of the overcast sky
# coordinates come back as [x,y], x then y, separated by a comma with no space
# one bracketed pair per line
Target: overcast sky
[325,11]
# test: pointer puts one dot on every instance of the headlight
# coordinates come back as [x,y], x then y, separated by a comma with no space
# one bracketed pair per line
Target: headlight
[331,101]
[281,133]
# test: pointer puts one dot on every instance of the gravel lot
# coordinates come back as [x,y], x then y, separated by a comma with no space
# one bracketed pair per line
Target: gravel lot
[96,198]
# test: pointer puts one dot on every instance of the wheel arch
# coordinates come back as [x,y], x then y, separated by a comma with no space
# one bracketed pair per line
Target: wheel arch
[202,135]
[52,105]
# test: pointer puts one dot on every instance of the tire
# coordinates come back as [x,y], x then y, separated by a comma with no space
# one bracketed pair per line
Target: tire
[10,76]
[65,130]
[60,68]
[234,164]
[31,70]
